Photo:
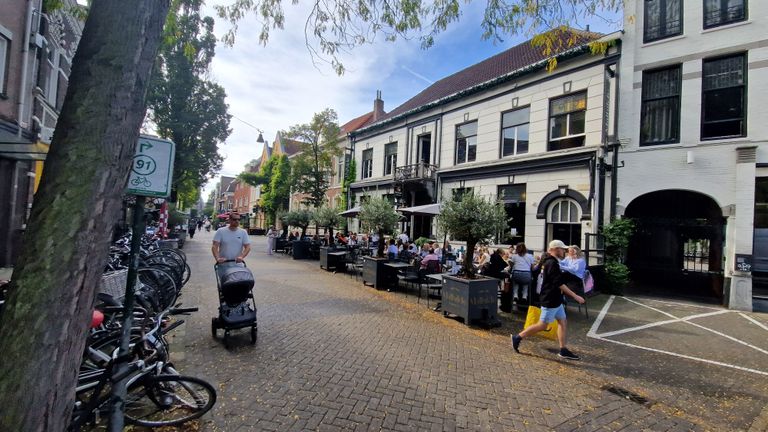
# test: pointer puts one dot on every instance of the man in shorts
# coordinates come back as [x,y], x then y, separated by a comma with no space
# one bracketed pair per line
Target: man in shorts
[552,302]
[231,243]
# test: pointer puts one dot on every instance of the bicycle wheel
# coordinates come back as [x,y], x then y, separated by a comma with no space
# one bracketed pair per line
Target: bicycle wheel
[168,400]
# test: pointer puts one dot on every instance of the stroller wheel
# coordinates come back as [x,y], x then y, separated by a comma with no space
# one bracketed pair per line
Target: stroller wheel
[213,327]
[253,335]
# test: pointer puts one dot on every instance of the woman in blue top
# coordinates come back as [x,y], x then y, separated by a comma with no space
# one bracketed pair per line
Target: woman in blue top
[573,266]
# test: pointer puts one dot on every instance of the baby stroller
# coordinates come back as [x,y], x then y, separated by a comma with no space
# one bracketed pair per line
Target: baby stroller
[235,284]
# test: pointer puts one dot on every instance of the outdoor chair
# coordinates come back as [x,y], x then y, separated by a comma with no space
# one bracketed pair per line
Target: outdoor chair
[408,276]
[432,286]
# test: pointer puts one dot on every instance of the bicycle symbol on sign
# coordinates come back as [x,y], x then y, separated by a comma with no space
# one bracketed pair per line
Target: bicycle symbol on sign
[141,181]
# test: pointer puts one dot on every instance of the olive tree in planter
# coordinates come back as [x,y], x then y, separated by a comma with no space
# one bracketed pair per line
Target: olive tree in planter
[328,218]
[300,219]
[378,215]
[471,219]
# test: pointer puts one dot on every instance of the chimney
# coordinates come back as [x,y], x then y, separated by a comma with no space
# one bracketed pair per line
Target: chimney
[378,106]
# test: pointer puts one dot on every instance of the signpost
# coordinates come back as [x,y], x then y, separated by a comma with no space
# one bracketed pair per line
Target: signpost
[151,175]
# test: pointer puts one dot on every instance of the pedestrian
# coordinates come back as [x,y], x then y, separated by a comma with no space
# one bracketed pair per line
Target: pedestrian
[231,243]
[199,224]
[272,234]
[552,290]
[191,228]
[207,225]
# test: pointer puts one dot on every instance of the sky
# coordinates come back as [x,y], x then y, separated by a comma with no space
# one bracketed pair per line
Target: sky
[273,87]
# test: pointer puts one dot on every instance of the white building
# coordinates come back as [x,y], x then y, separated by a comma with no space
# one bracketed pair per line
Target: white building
[693,133]
[509,130]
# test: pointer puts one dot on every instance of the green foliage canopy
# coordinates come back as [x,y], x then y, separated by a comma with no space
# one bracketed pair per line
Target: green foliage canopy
[274,178]
[313,165]
[377,214]
[471,218]
[299,218]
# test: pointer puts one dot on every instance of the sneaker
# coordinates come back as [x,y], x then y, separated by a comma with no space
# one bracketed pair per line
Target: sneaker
[516,339]
[567,354]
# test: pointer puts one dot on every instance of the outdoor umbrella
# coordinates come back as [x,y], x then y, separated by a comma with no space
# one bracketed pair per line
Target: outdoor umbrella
[351,212]
[422,210]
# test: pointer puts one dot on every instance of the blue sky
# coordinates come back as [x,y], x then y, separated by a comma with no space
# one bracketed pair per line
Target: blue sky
[275,86]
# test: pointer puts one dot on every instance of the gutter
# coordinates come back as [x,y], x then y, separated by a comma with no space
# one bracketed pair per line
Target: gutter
[24,66]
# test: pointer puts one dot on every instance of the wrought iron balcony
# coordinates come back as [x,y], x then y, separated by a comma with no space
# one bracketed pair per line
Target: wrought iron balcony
[416,172]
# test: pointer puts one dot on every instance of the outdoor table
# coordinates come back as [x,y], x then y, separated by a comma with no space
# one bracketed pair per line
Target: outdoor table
[395,267]
[330,259]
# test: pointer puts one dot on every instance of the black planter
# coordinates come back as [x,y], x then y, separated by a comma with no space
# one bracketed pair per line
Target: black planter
[475,300]
[375,273]
[300,250]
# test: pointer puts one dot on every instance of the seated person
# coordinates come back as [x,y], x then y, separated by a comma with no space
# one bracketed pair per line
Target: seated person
[573,267]
[496,264]
[431,256]
[292,237]
[392,249]
[352,240]
[413,248]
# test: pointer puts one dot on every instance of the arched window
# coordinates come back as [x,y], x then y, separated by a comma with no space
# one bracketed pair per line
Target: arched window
[565,211]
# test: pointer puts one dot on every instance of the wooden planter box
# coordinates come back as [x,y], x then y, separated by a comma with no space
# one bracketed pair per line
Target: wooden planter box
[374,272]
[473,300]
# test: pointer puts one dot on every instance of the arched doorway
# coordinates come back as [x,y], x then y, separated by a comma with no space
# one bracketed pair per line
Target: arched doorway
[564,221]
[677,248]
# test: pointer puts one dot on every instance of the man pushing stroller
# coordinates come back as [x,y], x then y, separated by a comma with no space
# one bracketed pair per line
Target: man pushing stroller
[231,243]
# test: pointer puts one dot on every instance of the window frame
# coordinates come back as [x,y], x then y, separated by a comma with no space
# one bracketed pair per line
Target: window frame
[557,204]
[5,63]
[391,164]
[550,140]
[678,106]
[662,11]
[456,143]
[515,127]
[744,106]
[745,16]
[367,165]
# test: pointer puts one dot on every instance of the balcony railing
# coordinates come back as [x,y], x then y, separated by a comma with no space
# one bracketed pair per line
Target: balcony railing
[416,172]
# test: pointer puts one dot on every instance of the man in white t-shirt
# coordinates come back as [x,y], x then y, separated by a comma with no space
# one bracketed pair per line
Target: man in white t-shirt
[231,242]
[403,237]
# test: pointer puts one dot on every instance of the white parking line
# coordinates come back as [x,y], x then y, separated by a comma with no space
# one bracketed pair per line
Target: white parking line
[604,337]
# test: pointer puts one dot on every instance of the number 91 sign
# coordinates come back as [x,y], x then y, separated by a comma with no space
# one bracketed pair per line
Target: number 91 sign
[152,167]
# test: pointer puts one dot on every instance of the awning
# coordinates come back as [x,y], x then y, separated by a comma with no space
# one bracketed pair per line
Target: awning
[351,212]
[23,150]
[422,210]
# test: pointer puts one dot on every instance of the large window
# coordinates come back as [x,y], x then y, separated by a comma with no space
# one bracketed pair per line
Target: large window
[367,163]
[567,117]
[723,108]
[466,142]
[663,19]
[390,158]
[5,50]
[660,114]
[514,132]
[458,193]
[720,12]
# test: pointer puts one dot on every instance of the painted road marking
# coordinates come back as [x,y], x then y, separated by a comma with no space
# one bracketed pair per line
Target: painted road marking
[604,336]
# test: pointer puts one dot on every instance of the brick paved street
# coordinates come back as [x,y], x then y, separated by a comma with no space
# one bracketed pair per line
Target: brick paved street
[335,355]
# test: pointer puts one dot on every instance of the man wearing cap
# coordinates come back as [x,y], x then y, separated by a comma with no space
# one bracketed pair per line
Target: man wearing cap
[552,303]
[231,243]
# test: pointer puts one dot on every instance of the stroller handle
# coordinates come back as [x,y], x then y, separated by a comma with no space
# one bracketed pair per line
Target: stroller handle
[216,265]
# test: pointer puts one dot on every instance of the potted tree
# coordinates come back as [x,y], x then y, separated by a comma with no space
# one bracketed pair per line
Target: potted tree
[471,219]
[377,215]
[300,219]
[328,218]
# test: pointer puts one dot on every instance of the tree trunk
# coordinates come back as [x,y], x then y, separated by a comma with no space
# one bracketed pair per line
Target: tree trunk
[45,323]
[469,268]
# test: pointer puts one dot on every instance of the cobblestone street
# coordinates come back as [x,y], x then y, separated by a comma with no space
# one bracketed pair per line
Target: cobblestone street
[335,355]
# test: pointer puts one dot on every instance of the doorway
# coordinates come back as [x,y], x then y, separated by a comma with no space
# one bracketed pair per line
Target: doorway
[425,149]
[677,247]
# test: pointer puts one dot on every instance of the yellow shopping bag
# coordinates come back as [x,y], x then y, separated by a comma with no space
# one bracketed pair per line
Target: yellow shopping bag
[533,316]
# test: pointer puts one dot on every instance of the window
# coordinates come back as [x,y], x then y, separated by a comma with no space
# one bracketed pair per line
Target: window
[723,111]
[514,132]
[390,158]
[5,51]
[566,121]
[340,168]
[720,12]
[458,193]
[466,142]
[564,211]
[367,163]
[660,113]
[663,19]
[563,222]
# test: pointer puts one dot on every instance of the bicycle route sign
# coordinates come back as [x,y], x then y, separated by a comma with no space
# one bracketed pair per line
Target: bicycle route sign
[152,167]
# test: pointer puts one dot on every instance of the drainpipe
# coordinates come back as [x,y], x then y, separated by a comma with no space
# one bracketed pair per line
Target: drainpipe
[614,177]
[24,63]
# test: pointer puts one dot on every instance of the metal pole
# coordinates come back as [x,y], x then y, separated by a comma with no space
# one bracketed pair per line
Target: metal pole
[117,403]
[614,179]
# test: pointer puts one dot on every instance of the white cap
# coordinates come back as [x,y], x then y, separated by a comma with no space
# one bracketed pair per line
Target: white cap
[557,244]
